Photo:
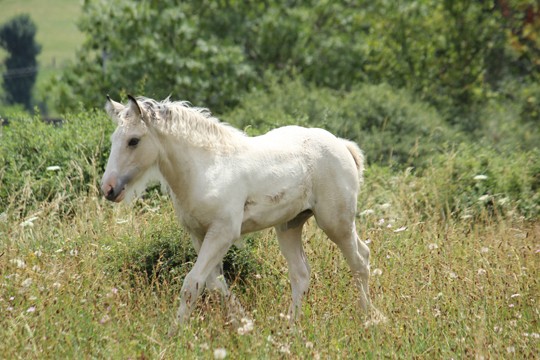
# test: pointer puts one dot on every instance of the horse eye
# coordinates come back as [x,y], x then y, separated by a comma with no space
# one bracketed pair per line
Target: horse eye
[133,142]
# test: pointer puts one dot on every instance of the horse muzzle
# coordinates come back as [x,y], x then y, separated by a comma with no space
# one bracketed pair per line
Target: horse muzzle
[115,194]
[113,189]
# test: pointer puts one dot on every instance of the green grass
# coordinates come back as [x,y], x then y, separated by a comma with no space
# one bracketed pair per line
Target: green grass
[57,33]
[449,288]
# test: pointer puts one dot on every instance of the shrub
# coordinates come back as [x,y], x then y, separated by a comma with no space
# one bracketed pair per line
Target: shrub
[164,255]
[389,124]
[475,179]
[512,119]
[39,161]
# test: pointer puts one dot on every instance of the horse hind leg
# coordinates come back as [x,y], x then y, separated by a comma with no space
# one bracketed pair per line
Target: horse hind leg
[356,252]
[290,244]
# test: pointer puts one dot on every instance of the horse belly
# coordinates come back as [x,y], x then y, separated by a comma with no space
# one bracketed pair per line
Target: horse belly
[270,210]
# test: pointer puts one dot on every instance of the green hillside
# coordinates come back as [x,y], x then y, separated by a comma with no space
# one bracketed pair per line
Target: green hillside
[57,31]
[56,23]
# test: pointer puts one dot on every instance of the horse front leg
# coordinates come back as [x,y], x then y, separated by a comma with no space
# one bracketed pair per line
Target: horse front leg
[216,282]
[217,242]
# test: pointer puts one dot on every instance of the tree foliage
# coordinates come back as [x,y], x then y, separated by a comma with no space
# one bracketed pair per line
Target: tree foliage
[17,36]
[155,48]
[390,126]
[454,54]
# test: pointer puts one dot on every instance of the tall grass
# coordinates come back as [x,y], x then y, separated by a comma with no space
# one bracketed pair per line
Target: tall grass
[75,286]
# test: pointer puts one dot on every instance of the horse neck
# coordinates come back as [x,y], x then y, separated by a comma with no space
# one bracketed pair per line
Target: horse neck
[175,166]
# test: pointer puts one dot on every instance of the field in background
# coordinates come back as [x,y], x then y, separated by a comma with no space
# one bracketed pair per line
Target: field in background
[57,32]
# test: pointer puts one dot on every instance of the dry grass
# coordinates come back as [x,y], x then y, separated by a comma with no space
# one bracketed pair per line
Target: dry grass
[449,289]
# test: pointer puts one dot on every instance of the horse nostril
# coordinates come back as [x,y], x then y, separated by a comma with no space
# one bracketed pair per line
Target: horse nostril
[110,193]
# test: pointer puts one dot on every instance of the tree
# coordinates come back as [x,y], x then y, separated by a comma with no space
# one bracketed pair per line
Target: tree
[17,36]
[453,54]
[152,48]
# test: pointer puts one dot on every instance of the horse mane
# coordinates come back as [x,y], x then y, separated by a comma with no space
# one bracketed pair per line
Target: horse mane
[195,125]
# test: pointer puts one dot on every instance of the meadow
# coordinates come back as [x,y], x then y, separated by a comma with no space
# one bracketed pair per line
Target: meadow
[449,207]
[83,278]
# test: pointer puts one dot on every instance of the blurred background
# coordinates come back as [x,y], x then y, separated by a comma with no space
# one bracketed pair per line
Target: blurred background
[411,81]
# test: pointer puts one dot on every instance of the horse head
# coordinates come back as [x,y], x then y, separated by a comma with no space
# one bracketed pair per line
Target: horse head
[134,150]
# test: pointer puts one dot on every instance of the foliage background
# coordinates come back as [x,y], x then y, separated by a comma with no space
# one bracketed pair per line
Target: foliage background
[443,97]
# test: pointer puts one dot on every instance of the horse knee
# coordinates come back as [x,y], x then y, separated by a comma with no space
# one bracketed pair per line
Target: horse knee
[192,287]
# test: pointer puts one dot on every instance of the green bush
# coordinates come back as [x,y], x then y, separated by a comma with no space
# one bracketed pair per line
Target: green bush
[475,179]
[512,119]
[166,255]
[389,124]
[40,161]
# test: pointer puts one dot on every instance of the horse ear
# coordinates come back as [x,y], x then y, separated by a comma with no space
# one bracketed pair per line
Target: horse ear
[113,108]
[134,106]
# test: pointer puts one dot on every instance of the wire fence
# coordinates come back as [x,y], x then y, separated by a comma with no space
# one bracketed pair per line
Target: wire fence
[20,72]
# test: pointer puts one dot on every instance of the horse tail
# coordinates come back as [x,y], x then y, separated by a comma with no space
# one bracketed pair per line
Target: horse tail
[358,157]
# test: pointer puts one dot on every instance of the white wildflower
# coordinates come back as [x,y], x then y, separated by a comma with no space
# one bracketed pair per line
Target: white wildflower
[220,353]
[18,262]
[484,250]
[56,285]
[31,309]
[53,168]
[480,177]
[376,272]
[515,295]
[285,349]
[481,271]
[26,283]
[309,345]
[246,327]
[29,222]
[452,275]
[433,246]
[484,198]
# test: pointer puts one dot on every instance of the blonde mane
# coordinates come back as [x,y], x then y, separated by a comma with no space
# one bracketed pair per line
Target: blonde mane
[195,125]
